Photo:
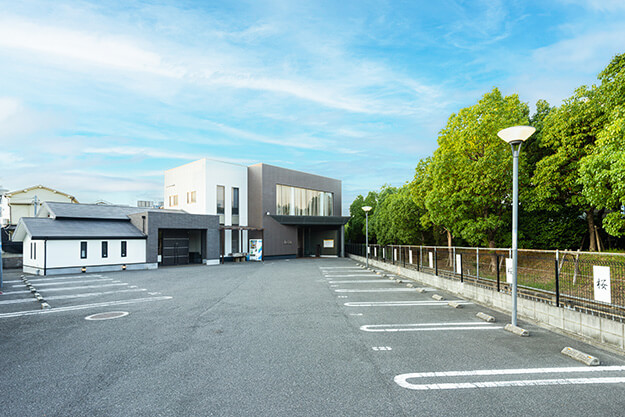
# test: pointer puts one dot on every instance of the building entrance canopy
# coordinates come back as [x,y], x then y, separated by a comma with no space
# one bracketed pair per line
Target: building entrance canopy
[311,220]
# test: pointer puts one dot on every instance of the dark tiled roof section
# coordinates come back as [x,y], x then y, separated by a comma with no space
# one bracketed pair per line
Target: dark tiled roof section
[44,228]
[95,211]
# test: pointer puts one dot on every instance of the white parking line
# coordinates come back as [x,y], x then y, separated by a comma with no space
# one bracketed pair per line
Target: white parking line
[352,275]
[16,292]
[402,380]
[518,371]
[91,294]
[35,279]
[380,290]
[47,284]
[84,287]
[75,277]
[361,281]
[401,303]
[528,383]
[83,306]
[19,301]
[339,267]
[425,327]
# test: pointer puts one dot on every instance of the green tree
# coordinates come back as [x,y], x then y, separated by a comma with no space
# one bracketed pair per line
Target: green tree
[398,219]
[356,225]
[570,133]
[471,170]
[602,171]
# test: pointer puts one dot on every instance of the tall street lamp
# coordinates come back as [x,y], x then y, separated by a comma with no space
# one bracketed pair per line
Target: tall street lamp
[515,136]
[367,209]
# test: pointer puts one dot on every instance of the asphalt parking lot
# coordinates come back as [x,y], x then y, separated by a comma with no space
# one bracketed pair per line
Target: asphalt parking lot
[282,338]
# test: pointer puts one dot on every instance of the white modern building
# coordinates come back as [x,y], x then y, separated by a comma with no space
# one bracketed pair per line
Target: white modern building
[294,213]
[212,187]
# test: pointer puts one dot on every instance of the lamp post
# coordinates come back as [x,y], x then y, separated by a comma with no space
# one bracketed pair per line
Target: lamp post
[515,136]
[367,209]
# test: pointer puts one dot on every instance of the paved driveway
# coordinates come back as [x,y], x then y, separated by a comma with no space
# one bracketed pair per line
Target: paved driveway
[298,337]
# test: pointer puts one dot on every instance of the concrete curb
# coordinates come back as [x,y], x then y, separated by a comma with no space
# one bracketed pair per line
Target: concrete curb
[485,317]
[437,297]
[516,330]
[581,356]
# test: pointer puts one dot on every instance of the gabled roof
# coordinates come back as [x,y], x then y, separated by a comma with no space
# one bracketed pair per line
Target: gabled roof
[12,193]
[49,229]
[88,211]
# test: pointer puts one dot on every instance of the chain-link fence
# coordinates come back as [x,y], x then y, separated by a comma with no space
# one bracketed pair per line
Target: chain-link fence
[586,281]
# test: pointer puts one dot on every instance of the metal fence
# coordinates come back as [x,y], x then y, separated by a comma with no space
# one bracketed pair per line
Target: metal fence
[586,281]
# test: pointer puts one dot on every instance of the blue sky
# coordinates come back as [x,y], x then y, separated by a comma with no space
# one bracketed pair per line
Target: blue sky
[97,99]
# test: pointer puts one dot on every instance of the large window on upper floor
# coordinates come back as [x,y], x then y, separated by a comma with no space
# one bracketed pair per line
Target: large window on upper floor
[295,201]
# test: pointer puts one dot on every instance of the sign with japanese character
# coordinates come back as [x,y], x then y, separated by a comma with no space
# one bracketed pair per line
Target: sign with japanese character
[431,259]
[458,264]
[601,275]
[410,256]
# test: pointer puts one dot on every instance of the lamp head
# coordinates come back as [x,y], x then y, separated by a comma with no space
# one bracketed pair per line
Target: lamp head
[367,208]
[516,134]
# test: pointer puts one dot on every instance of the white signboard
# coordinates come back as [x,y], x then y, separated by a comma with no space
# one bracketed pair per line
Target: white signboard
[328,243]
[410,256]
[375,251]
[601,275]
[368,250]
[509,275]
[383,253]
[431,259]
[394,254]
[458,264]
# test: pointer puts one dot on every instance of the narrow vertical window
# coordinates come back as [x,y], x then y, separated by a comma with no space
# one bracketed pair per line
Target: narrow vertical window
[221,203]
[124,248]
[83,250]
[105,249]
[235,206]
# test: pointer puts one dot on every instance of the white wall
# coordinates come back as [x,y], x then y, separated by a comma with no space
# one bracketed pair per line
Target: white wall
[183,179]
[203,176]
[38,262]
[66,253]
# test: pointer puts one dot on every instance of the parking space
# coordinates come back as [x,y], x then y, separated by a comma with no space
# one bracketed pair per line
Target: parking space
[277,338]
[434,352]
[35,295]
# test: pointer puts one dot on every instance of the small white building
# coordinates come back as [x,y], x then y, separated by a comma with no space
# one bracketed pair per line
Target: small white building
[212,187]
[72,238]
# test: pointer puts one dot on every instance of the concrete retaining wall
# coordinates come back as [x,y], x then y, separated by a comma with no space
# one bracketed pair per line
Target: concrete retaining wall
[592,329]
[11,261]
